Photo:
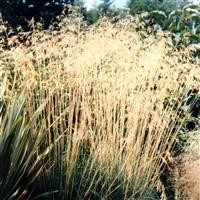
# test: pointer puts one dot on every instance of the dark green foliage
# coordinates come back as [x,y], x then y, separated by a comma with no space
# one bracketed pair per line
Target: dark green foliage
[190,110]
[139,6]
[103,9]
[19,12]
[150,194]
[184,24]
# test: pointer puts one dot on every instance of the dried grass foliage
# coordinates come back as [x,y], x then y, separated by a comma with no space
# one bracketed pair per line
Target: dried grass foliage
[107,88]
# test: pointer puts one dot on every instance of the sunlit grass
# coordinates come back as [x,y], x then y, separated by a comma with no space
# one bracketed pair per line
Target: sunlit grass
[113,98]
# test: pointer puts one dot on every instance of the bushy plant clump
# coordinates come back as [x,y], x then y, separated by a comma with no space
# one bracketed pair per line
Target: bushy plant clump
[112,111]
[183,24]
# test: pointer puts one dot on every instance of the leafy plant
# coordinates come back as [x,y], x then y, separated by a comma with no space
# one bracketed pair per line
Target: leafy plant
[21,158]
[184,23]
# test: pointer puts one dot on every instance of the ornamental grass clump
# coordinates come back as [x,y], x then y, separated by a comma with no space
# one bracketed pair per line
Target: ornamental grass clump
[112,111]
